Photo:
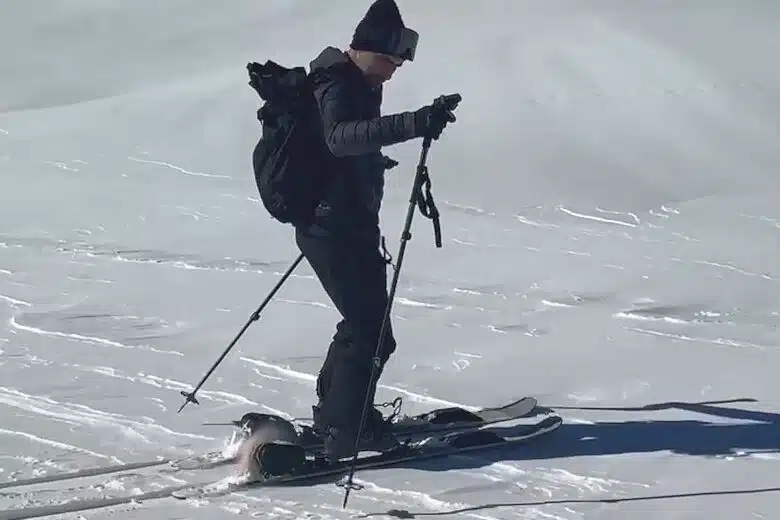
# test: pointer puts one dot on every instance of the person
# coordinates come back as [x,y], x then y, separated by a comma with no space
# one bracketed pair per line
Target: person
[342,244]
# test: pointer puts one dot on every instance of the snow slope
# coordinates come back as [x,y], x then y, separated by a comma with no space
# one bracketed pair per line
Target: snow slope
[609,201]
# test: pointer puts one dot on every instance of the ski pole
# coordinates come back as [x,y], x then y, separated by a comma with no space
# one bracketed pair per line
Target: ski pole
[190,396]
[405,237]
[421,178]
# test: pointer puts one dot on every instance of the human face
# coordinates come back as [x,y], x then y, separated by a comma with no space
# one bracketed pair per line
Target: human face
[383,66]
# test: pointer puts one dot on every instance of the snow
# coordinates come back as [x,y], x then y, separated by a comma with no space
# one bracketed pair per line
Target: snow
[611,225]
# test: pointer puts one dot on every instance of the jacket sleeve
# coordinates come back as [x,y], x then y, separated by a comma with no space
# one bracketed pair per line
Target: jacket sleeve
[347,135]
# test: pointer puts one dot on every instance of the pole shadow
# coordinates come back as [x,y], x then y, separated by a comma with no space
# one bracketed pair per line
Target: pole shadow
[402,513]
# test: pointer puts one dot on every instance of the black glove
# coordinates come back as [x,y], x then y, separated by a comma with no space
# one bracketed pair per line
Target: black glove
[430,120]
[389,163]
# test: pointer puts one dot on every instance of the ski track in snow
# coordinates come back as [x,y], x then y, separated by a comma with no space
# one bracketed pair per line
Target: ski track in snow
[726,267]
[146,431]
[518,485]
[179,169]
[258,506]
[61,165]
[35,466]
[56,444]
[557,304]
[556,481]
[165,384]
[409,498]
[14,302]
[639,317]
[147,257]
[722,342]
[311,379]
[310,303]
[413,303]
[92,340]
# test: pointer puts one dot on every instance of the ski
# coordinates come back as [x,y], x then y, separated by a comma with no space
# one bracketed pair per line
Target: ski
[203,461]
[450,419]
[430,448]
[441,446]
[75,506]
[440,420]
[83,473]
[453,417]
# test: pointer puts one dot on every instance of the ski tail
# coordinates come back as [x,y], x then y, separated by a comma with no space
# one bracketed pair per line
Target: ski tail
[433,447]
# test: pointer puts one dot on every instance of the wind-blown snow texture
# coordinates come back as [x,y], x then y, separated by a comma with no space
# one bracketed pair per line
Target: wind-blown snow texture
[611,216]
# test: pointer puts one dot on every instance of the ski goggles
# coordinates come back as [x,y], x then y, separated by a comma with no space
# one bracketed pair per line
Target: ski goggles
[403,44]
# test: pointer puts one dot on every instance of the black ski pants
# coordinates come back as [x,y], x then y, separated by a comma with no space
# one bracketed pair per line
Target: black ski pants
[353,272]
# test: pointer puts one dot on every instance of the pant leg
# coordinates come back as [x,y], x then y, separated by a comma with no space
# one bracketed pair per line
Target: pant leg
[341,339]
[354,274]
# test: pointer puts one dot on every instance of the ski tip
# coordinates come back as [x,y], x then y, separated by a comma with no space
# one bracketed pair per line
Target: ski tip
[530,400]
[551,420]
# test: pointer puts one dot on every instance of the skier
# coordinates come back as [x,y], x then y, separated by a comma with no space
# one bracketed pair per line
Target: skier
[343,243]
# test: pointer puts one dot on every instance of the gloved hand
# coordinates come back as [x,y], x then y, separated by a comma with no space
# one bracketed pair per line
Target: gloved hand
[389,163]
[430,120]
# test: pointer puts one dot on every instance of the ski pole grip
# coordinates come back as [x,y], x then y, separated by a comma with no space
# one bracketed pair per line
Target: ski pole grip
[447,102]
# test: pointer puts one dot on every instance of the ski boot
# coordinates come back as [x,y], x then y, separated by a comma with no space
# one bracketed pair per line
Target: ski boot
[377,436]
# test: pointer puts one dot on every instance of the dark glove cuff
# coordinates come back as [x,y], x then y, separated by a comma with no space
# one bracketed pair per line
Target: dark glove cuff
[421,119]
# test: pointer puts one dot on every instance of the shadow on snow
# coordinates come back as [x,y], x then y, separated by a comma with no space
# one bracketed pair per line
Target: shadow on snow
[401,513]
[687,437]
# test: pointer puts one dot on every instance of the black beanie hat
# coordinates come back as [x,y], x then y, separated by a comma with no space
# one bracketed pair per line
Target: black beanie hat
[382,30]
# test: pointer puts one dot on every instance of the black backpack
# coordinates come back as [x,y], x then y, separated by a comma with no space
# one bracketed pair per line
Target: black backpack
[291,160]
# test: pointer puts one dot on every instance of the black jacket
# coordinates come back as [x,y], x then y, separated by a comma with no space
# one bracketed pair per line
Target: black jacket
[355,132]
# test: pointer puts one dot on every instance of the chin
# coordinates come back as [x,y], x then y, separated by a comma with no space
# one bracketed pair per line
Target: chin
[377,80]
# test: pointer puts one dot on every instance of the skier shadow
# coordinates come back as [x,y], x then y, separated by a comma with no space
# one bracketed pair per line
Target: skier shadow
[688,437]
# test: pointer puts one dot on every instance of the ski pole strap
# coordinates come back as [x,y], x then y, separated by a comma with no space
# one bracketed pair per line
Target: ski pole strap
[387,257]
[427,206]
